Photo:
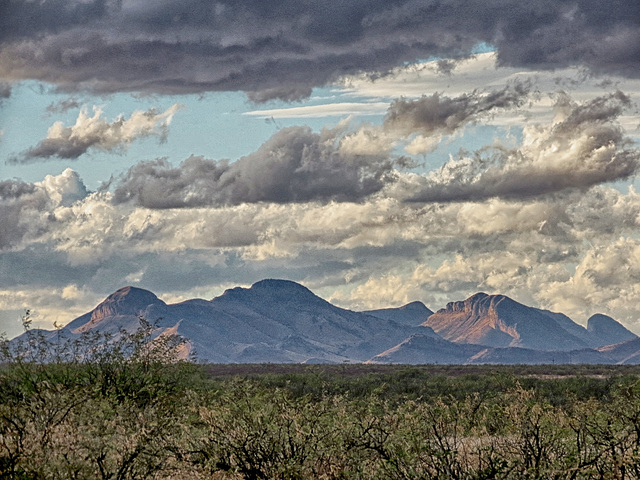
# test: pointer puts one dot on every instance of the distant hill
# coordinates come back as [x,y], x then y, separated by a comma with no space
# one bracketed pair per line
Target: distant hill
[516,355]
[420,349]
[414,313]
[624,353]
[279,321]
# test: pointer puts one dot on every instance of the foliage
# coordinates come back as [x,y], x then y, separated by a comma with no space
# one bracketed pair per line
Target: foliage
[90,405]
[125,407]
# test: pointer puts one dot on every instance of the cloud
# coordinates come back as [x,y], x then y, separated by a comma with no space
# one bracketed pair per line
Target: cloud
[604,212]
[606,280]
[64,189]
[62,106]
[284,49]
[24,207]
[583,147]
[441,114]
[455,278]
[481,73]
[16,197]
[525,249]
[377,252]
[5,91]
[14,189]
[94,132]
[425,120]
[572,33]
[325,110]
[294,165]
[47,304]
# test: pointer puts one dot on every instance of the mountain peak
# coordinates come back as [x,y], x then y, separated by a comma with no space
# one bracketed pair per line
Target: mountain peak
[417,305]
[131,293]
[477,297]
[599,320]
[125,301]
[608,330]
[273,288]
[278,285]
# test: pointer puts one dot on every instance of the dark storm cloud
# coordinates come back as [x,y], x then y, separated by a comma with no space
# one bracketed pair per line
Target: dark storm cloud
[585,148]
[283,48]
[21,19]
[294,165]
[603,37]
[438,113]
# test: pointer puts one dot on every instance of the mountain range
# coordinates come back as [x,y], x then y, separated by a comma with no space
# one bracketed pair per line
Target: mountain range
[279,321]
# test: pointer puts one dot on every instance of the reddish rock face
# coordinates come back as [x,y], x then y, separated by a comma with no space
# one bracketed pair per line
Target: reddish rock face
[498,321]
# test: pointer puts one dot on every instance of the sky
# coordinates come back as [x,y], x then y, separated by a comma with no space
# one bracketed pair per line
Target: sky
[378,152]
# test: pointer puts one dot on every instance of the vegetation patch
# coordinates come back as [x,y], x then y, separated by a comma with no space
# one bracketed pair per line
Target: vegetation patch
[91,407]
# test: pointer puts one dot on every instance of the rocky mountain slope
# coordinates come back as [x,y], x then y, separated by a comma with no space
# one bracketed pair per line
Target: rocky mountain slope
[273,321]
[624,353]
[498,321]
[280,321]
